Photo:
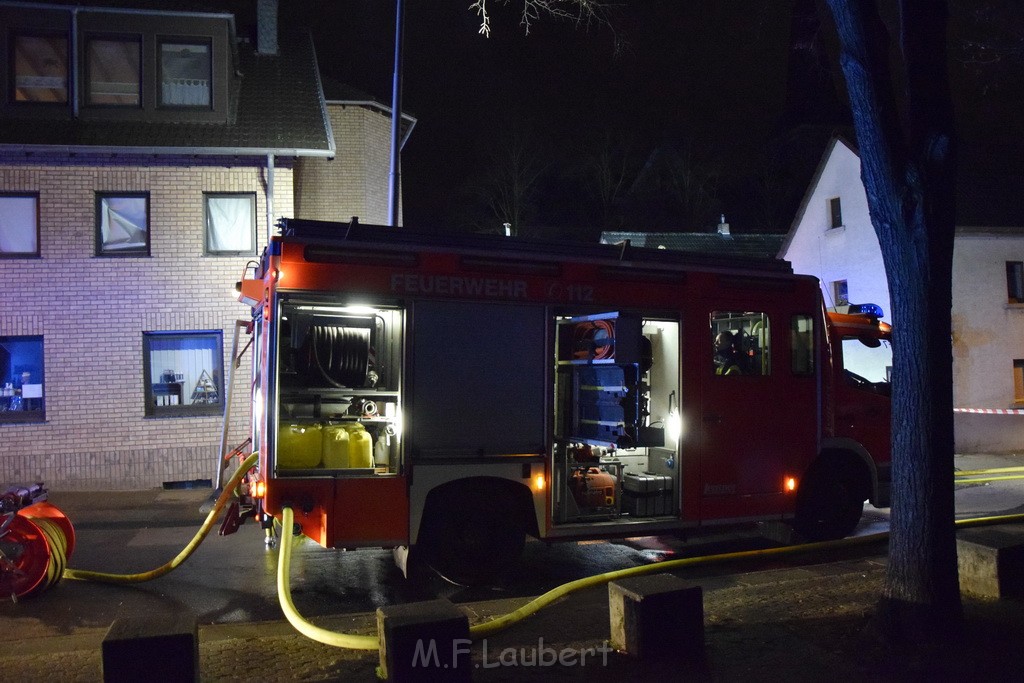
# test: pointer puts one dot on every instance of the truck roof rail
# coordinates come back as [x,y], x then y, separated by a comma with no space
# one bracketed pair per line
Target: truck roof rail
[356,233]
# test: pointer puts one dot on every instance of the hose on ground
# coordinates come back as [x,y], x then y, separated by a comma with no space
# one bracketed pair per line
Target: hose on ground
[226,495]
[488,628]
[284,594]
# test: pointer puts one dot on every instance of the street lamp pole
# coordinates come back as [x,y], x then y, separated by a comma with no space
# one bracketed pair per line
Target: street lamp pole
[394,185]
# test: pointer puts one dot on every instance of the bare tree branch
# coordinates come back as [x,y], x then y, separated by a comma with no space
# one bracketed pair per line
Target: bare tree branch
[578,11]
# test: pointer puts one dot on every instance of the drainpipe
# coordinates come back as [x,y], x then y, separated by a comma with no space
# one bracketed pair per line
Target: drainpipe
[74,75]
[396,118]
[270,197]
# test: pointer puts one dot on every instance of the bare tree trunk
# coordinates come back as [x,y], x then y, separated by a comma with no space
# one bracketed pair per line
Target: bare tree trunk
[907,165]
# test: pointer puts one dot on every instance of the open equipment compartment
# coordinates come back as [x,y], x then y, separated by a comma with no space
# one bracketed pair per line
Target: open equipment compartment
[339,389]
[603,428]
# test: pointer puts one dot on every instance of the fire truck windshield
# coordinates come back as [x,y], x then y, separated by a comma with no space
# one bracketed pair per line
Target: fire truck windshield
[867,364]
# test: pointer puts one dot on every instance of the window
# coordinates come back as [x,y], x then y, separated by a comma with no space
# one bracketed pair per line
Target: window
[1018,381]
[867,363]
[122,224]
[802,344]
[835,209]
[185,74]
[1015,282]
[113,68]
[230,223]
[21,380]
[741,343]
[840,293]
[19,225]
[40,64]
[183,373]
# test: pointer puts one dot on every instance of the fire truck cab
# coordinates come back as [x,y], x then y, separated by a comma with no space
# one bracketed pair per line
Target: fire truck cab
[452,394]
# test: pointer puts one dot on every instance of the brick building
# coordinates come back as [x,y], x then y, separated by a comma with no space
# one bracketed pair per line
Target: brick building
[144,156]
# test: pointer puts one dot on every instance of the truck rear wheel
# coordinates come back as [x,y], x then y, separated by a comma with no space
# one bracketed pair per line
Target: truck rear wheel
[830,504]
[472,538]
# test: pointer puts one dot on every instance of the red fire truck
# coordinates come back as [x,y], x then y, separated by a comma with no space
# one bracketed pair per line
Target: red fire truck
[447,395]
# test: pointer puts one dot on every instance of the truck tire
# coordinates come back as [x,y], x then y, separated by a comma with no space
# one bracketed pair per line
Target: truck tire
[829,505]
[472,538]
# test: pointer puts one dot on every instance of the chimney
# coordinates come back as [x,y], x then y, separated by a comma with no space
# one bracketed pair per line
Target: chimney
[266,27]
[723,228]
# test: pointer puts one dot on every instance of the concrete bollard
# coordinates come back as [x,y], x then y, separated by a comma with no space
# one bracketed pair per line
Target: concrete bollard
[424,641]
[658,618]
[991,561]
[152,648]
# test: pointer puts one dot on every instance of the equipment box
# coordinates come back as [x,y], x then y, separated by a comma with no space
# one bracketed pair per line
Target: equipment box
[647,495]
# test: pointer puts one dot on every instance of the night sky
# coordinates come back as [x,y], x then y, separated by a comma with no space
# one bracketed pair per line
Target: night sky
[710,73]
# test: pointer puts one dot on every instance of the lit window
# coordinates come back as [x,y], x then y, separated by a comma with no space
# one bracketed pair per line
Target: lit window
[114,71]
[183,373]
[185,74]
[40,68]
[19,225]
[122,224]
[802,344]
[840,293]
[1018,381]
[835,209]
[1015,282]
[21,379]
[230,223]
[740,342]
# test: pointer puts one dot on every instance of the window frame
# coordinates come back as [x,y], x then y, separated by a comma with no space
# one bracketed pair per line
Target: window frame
[135,252]
[746,359]
[184,41]
[150,409]
[24,254]
[835,211]
[802,356]
[206,223]
[1015,282]
[12,74]
[843,285]
[24,416]
[1018,381]
[87,94]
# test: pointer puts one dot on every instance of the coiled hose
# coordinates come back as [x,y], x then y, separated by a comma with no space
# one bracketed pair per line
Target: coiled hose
[211,519]
[339,355]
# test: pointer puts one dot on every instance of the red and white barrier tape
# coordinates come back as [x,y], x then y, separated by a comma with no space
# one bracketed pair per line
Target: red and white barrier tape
[990,411]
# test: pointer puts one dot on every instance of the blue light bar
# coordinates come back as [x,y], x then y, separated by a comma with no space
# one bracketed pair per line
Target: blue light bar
[873,310]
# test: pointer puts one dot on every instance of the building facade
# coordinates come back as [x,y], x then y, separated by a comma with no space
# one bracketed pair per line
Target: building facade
[146,153]
[832,238]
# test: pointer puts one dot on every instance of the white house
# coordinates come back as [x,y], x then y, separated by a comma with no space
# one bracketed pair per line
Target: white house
[833,239]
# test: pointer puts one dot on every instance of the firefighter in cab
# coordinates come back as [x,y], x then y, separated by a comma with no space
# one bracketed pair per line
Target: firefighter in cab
[728,358]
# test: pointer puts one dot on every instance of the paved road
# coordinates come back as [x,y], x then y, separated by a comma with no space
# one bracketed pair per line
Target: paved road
[231,580]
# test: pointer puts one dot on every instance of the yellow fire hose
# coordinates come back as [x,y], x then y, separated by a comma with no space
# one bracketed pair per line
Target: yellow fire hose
[364,642]
[995,474]
[211,519]
[370,642]
[284,595]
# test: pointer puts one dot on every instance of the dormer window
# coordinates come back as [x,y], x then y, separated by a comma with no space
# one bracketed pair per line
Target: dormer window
[185,69]
[40,68]
[113,71]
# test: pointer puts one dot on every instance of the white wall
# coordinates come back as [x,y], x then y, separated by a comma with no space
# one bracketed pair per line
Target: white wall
[988,335]
[848,253]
